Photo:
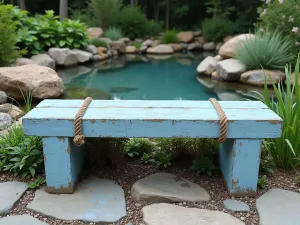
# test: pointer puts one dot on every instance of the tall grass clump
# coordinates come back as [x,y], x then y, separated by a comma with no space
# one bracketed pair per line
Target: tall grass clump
[169,37]
[270,50]
[113,33]
[286,103]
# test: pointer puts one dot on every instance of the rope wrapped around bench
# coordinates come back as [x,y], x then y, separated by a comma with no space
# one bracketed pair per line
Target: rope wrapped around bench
[223,120]
[78,136]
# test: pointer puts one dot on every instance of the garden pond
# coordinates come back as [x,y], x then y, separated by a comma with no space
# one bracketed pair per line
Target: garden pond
[148,77]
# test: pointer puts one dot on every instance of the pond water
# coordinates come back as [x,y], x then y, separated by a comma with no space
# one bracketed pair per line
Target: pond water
[133,77]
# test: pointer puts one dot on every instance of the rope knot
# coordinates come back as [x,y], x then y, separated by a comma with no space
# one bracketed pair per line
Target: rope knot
[79,140]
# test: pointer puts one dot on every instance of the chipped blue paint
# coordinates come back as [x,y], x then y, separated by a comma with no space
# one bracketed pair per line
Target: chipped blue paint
[248,123]
[239,162]
[63,162]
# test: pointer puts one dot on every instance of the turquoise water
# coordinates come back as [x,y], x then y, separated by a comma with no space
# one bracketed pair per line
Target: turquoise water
[145,78]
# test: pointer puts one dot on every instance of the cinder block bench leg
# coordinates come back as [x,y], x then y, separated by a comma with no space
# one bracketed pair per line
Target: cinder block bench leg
[239,162]
[63,163]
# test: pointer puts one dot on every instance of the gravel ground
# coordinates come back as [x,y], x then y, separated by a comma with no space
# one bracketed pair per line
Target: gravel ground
[131,171]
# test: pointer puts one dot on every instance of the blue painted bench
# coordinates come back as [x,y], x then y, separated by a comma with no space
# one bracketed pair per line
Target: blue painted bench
[248,123]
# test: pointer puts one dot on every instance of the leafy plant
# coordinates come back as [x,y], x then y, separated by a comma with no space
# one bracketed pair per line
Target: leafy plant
[169,37]
[37,183]
[268,50]
[8,39]
[163,158]
[216,7]
[218,27]
[266,163]
[203,165]
[262,181]
[286,103]
[113,33]
[147,158]
[132,22]
[21,154]
[137,45]
[137,146]
[105,12]
[153,27]
[98,42]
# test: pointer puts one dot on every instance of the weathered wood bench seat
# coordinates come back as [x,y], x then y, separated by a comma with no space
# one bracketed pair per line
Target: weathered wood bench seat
[248,123]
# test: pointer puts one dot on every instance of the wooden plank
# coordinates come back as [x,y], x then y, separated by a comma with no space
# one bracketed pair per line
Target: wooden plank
[149,104]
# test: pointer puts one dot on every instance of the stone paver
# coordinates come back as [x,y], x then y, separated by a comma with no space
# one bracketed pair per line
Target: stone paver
[165,187]
[167,214]
[236,206]
[95,200]
[21,220]
[279,207]
[10,193]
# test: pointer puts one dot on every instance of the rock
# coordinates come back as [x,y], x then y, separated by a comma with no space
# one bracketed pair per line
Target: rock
[236,206]
[259,77]
[209,46]
[185,61]
[156,43]
[228,50]
[139,40]
[200,40]
[118,46]
[278,207]
[82,56]
[176,47]
[21,219]
[12,110]
[160,49]
[165,187]
[206,82]
[63,56]
[228,96]
[96,58]
[94,32]
[131,49]
[5,121]
[230,69]
[101,50]
[92,49]
[219,45]
[143,49]
[167,214]
[215,76]
[292,80]
[185,37]
[125,40]
[218,58]
[160,56]
[24,61]
[3,97]
[207,66]
[147,43]
[44,60]
[95,200]
[114,53]
[107,40]
[184,46]
[43,81]
[197,33]
[227,38]
[10,193]
[195,47]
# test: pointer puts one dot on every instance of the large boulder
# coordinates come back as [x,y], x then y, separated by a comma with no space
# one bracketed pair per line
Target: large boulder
[185,37]
[176,47]
[147,43]
[44,60]
[195,47]
[92,49]
[207,66]
[209,46]
[12,110]
[5,121]
[118,46]
[258,77]
[94,32]
[43,81]
[131,49]
[3,97]
[230,69]
[63,56]
[293,79]
[82,56]
[160,49]
[24,61]
[228,50]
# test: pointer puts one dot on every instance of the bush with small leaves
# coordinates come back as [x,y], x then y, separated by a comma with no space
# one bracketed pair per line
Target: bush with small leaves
[203,165]
[262,181]
[169,37]
[137,146]
[98,42]
[153,27]
[163,158]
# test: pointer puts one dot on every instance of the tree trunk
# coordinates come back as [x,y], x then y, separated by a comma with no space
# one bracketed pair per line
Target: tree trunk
[132,3]
[22,4]
[63,9]
[167,14]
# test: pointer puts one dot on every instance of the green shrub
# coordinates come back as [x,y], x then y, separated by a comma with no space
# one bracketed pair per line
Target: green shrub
[8,39]
[162,158]
[113,33]
[153,27]
[132,22]
[283,16]
[138,146]
[147,158]
[137,45]
[203,165]
[98,42]
[262,181]
[286,103]
[216,28]
[21,154]
[105,12]
[268,50]
[169,37]
[37,183]
[266,162]
[83,15]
